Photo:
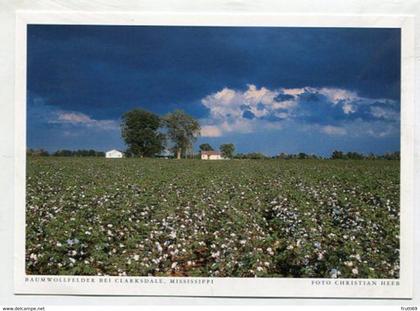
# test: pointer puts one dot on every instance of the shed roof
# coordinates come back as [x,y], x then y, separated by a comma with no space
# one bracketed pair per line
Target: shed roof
[211,152]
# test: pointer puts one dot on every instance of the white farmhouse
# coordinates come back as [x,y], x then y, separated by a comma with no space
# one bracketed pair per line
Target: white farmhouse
[211,155]
[113,154]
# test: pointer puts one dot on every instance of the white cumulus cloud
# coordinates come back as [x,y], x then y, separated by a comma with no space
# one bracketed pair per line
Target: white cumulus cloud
[261,108]
[336,95]
[243,111]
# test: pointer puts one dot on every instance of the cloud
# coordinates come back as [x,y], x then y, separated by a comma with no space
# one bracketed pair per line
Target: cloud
[234,111]
[336,95]
[73,117]
[294,92]
[41,114]
[348,108]
[81,119]
[331,111]
[333,130]
[210,131]
[384,113]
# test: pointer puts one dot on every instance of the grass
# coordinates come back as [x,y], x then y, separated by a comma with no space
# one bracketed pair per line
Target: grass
[237,218]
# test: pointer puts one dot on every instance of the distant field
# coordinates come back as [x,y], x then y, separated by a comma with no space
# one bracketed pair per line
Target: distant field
[237,218]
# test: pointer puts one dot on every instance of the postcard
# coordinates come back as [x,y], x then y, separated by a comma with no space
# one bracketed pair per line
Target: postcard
[214,155]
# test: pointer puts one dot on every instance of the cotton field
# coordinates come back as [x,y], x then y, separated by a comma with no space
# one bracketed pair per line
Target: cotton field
[238,218]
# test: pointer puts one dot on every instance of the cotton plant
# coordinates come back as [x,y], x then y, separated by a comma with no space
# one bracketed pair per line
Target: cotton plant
[271,218]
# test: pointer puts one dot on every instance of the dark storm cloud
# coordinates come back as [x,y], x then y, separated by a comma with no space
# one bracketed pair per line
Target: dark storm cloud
[96,73]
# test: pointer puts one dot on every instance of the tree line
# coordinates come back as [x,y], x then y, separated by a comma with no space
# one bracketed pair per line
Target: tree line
[227,151]
[66,153]
[340,155]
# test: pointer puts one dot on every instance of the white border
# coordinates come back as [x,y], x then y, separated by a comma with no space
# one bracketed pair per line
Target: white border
[239,287]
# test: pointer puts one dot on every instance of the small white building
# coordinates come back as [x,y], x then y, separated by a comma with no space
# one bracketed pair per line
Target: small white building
[165,154]
[211,155]
[113,154]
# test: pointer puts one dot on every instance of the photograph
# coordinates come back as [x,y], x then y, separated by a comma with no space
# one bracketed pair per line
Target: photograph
[213,151]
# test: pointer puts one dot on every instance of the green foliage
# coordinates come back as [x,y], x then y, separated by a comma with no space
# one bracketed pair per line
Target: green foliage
[206,147]
[359,156]
[227,150]
[37,152]
[392,156]
[337,155]
[241,218]
[251,155]
[140,131]
[78,153]
[183,130]
[302,155]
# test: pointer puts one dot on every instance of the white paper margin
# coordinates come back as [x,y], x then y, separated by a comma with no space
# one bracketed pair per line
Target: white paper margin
[228,287]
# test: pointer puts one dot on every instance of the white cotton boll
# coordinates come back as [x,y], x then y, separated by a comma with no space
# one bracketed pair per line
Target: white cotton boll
[159,247]
[270,251]
[215,255]
[348,263]
[357,256]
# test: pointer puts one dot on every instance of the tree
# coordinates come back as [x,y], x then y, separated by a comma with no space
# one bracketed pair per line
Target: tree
[354,156]
[255,156]
[302,155]
[140,131]
[227,150]
[206,147]
[37,152]
[392,156]
[182,129]
[64,153]
[282,155]
[337,155]
[371,156]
